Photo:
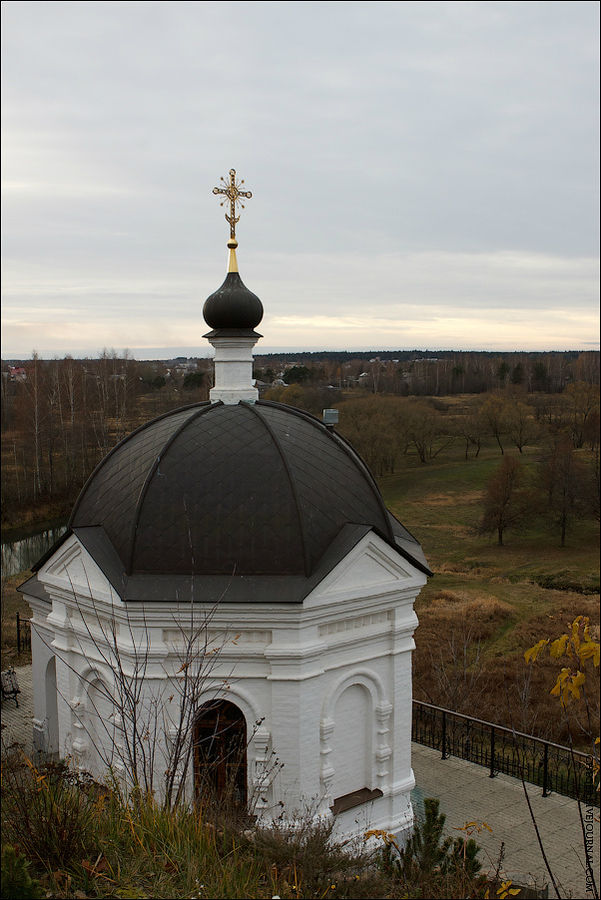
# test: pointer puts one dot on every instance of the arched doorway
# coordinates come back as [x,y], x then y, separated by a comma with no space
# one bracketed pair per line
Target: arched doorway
[220,753]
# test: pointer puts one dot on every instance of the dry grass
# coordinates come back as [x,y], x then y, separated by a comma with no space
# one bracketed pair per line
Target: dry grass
[12,602]
[83,842]
[31,519]
[451,498]
[470,657]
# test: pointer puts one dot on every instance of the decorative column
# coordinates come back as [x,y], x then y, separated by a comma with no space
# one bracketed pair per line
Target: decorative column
[326,729]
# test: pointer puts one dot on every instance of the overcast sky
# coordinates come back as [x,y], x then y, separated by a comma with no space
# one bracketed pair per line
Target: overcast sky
[424,175]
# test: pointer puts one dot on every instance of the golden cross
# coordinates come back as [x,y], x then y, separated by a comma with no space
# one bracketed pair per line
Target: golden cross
[232,194]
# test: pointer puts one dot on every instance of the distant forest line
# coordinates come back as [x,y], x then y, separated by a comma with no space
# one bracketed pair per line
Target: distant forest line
[416,353]
[61,417]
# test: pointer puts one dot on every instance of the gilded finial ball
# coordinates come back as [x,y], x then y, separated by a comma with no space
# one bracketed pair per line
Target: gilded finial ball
[232,243]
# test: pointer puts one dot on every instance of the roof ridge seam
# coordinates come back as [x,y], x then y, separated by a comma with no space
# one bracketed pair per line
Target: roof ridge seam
[144,489]
[355,457]
[114,449]
[404,527]
[274,438]
[348,449]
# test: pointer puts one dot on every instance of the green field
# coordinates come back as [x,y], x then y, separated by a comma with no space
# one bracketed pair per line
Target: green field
[441,504]
[486,603]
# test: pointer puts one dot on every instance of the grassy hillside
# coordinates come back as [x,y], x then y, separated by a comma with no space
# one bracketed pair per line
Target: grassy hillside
[486,603]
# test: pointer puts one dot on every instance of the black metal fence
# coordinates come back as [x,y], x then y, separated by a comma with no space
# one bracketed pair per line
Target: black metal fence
[551,766]
[23,634]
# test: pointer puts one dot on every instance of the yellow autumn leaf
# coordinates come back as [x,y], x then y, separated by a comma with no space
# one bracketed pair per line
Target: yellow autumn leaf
[506,890]
[568,685]
[555,690]
[574,684]
[589,650]
[576,632]
[531,654]
[559,689]
[558,647]
[474,827]
[381,834]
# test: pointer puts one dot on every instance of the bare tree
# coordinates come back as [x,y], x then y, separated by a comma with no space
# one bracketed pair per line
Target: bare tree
[427,431]
[520,424]
[455,672]
[494,414]
[34,392]
[471,428]
[582,400]
[504,503]
[564,479]
[142,728]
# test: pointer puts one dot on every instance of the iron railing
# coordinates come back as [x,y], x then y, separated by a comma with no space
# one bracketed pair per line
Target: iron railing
[23,634]
[553,767]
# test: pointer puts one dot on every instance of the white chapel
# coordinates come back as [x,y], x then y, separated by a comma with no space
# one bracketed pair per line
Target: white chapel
[231,579]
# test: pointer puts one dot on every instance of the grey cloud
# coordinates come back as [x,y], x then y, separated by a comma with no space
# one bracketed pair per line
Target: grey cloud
[394,128]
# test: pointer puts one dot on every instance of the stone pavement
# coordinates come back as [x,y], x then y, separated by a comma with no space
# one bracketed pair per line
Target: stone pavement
[17,723]
[466,794]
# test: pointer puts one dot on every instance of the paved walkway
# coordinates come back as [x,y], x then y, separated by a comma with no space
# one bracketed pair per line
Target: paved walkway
[17,724]
[466,794]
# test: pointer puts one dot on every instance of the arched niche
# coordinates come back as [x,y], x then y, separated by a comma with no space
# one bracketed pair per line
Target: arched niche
[51,707]
[220,753]
[352,741]
[349,740]
[100,726]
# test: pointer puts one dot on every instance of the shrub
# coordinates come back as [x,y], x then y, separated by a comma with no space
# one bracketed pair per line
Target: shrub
[312,864]
[46,810]
[428,866]
[17,883]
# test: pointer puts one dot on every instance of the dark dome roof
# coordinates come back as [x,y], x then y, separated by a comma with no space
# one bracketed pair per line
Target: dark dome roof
[245,489]
[233,306]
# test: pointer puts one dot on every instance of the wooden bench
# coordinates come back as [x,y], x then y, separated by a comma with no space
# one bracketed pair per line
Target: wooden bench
[10,685]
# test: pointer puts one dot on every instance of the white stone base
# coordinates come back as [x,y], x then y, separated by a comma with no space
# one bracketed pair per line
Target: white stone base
[250,395]
[234,369]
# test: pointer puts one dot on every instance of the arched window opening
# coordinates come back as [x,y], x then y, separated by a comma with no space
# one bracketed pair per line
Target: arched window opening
[220,758]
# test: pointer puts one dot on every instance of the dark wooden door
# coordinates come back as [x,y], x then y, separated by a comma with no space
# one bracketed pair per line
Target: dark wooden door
[220,753]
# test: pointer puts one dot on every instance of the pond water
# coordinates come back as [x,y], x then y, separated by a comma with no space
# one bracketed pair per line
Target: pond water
[18,556]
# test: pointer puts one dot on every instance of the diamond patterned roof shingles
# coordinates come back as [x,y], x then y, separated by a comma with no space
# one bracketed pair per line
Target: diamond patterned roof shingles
[215,489]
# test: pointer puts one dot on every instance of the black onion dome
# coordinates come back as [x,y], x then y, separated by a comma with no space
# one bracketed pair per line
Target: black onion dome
[233,306]
[245,489]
